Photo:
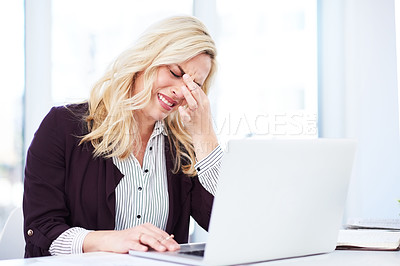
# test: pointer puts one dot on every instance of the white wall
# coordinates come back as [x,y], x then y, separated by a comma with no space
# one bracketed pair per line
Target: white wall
[359,99]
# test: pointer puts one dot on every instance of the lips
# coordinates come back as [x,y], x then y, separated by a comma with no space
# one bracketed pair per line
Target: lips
[166,102]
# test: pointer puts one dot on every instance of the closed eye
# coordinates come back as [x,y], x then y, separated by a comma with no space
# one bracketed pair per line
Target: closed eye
[175,75]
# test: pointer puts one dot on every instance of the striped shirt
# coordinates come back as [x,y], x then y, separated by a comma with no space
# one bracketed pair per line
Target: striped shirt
[142,195]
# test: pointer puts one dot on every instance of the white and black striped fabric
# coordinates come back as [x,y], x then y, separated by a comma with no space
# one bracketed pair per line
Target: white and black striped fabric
[142,195]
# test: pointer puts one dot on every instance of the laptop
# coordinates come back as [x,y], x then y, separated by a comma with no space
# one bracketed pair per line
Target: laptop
[276,199]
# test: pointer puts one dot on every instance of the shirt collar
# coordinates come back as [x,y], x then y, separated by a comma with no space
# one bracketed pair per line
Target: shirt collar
[159,128]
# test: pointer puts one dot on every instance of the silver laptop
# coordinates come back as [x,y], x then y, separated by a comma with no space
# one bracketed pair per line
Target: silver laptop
[276,199]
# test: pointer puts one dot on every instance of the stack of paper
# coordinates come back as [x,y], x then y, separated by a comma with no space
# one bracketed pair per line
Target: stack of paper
[368,239]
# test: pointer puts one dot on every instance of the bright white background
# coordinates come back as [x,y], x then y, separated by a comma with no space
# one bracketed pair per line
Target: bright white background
[358,98]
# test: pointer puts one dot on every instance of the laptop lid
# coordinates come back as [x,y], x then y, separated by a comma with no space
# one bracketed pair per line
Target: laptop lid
[277,199]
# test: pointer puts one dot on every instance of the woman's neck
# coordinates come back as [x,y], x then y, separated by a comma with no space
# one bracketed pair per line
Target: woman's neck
[146,127]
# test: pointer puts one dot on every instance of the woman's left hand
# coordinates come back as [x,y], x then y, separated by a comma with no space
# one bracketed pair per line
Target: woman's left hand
[196,117]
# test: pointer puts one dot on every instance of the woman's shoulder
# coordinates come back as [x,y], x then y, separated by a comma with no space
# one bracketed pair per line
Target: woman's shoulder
[75,110]
[62,125]
[69,117]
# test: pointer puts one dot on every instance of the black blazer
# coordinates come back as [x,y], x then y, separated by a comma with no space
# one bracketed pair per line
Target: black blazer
[65,186]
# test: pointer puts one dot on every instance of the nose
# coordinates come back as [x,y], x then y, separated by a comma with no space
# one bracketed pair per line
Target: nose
[177,92]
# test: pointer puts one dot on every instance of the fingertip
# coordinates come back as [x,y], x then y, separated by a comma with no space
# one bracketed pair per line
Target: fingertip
[141,248]
[159,247]
[174,247]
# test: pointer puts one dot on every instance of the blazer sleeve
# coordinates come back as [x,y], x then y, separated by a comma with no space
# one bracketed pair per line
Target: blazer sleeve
[201,203]
[44,203]
[204,187]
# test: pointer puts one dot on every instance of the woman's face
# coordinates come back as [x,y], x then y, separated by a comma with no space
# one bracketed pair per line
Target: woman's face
[166,94]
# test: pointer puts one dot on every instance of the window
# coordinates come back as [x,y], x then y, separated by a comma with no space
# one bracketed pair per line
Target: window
[100,30]
[267,83]
[11,105]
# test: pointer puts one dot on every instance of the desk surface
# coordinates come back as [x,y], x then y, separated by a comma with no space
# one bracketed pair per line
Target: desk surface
[342,258]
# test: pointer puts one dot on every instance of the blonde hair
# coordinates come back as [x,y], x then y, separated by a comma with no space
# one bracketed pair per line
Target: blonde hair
[113,130]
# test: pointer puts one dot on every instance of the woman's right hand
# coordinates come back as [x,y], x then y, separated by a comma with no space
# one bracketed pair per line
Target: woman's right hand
[139,238]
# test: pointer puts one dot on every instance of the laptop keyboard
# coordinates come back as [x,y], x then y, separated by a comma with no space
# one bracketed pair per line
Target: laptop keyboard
[199,253]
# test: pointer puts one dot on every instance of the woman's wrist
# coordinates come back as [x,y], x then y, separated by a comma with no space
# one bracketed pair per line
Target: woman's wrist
[94,241]
[204,144]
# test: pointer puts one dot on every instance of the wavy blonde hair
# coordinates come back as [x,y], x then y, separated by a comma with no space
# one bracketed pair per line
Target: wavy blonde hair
[113,130]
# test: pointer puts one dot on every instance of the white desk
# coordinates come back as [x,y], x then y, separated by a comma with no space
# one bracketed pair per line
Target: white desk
[336,258]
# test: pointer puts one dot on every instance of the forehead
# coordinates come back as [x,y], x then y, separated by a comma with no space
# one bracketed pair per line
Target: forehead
[197,67]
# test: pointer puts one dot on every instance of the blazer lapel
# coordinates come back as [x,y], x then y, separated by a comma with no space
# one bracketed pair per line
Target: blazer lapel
[179,186]
[112,178]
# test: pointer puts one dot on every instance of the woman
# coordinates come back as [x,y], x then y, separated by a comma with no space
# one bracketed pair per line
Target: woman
[127,169]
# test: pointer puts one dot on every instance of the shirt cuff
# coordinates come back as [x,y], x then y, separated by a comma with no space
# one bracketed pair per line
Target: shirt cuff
[69,242]
[208,170]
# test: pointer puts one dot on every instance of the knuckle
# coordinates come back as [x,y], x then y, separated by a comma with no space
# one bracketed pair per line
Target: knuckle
[146,225]
[154,243]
